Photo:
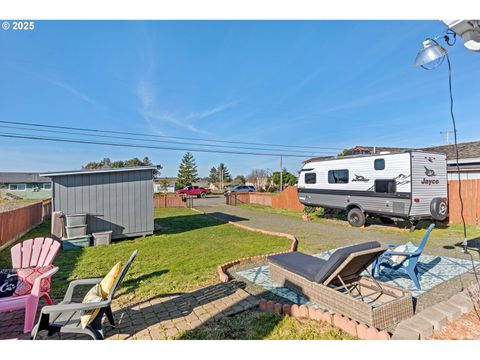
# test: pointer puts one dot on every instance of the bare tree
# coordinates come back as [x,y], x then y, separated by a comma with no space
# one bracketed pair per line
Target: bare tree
[261,178]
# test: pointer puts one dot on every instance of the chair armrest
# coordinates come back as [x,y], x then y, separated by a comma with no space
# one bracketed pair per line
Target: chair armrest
[389,253]
[52,309]
[38,281]
[75,283]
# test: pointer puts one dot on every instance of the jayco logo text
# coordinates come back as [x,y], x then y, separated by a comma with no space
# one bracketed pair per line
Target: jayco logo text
[429,182]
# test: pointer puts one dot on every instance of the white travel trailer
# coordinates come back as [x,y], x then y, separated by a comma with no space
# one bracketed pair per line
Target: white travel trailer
[411,185]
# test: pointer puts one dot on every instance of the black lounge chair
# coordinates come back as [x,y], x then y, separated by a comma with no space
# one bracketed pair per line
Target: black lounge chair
[337,285]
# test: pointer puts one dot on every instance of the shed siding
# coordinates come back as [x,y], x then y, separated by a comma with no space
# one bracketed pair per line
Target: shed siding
[117,201]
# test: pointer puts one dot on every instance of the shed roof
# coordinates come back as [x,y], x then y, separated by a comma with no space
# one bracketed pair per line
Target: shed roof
[98,171]
[22,178]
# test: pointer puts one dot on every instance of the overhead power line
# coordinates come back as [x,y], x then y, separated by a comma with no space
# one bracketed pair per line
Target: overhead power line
[306,153]
[91,142]
[165,136]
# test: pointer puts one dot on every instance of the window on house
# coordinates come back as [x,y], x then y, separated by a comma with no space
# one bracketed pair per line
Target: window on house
[338,176]
[385,186]
[310,178]
[17,187]
[47,186]
[379,164]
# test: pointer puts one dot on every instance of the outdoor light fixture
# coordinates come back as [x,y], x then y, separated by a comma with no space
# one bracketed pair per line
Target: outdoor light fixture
[469,30]
[431,55]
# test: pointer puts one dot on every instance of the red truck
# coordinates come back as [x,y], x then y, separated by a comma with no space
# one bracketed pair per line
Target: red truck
[194,191]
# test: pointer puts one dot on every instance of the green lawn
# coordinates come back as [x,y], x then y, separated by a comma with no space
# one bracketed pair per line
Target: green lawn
[256,325]
[183,257]
[440,233]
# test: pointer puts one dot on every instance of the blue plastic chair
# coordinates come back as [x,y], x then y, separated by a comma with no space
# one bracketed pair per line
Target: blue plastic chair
[410,269]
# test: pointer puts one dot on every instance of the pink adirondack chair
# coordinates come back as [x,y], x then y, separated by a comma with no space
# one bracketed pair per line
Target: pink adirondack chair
[31,253]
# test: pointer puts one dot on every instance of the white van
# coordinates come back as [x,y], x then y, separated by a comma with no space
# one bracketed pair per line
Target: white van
[411,185]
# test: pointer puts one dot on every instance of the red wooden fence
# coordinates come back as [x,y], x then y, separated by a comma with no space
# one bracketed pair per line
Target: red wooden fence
[15,223]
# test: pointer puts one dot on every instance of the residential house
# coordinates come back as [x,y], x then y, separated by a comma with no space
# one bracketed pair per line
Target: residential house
[27,185]
[158,186]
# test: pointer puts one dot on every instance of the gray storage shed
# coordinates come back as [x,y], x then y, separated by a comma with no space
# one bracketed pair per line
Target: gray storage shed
[120,199]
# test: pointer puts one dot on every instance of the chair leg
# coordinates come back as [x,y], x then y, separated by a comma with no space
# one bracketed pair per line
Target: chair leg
[48,299]
[30,313]
[108,312]
[414,276]
[374,265]
[94,333]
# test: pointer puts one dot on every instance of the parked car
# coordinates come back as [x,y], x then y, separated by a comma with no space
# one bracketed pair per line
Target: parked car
[240,189]
[194,191]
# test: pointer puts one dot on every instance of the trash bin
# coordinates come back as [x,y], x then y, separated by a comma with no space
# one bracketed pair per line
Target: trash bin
[102,238]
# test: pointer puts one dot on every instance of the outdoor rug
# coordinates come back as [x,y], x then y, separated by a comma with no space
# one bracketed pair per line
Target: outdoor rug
[433,271]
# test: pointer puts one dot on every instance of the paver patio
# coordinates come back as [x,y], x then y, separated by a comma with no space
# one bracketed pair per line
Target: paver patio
[162,317]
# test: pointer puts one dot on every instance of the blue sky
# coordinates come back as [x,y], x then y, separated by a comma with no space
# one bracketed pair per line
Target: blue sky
[318,83]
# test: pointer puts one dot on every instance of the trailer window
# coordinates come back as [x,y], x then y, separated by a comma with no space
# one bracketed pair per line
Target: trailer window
[379,164]
[338,176]
[385,186]
[310,178]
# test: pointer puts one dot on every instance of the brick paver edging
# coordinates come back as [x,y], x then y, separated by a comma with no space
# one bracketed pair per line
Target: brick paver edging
[222,268]
[351,327]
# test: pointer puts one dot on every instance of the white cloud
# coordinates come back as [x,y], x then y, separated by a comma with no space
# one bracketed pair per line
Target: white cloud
[70,89]
[155,116]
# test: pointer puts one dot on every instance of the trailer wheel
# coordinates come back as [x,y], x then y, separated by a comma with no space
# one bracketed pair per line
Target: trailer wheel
[439,209]
[356,217]
[203,195]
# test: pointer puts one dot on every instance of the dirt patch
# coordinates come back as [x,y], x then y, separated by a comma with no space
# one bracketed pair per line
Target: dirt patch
[467,327]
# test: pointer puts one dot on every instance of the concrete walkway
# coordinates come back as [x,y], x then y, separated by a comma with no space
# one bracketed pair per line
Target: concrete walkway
[163,317]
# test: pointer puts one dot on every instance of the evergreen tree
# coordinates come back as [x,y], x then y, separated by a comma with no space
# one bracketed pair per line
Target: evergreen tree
[287,178]
[240,179]
[213,176]
[226,173]
[187,171]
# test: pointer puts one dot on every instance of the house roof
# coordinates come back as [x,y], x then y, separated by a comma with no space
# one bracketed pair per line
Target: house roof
[466,150]
[22,178]
[98,171]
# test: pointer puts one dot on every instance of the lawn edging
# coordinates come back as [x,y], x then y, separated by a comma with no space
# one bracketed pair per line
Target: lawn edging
[224,267]
[350,326]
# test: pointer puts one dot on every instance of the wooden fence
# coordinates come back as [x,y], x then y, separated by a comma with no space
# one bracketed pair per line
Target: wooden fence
[168,201]
[287,199]
[15,223]
[471,201]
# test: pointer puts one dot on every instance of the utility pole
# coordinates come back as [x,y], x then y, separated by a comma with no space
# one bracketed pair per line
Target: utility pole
[220,175]
[447,133]
[281,174]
